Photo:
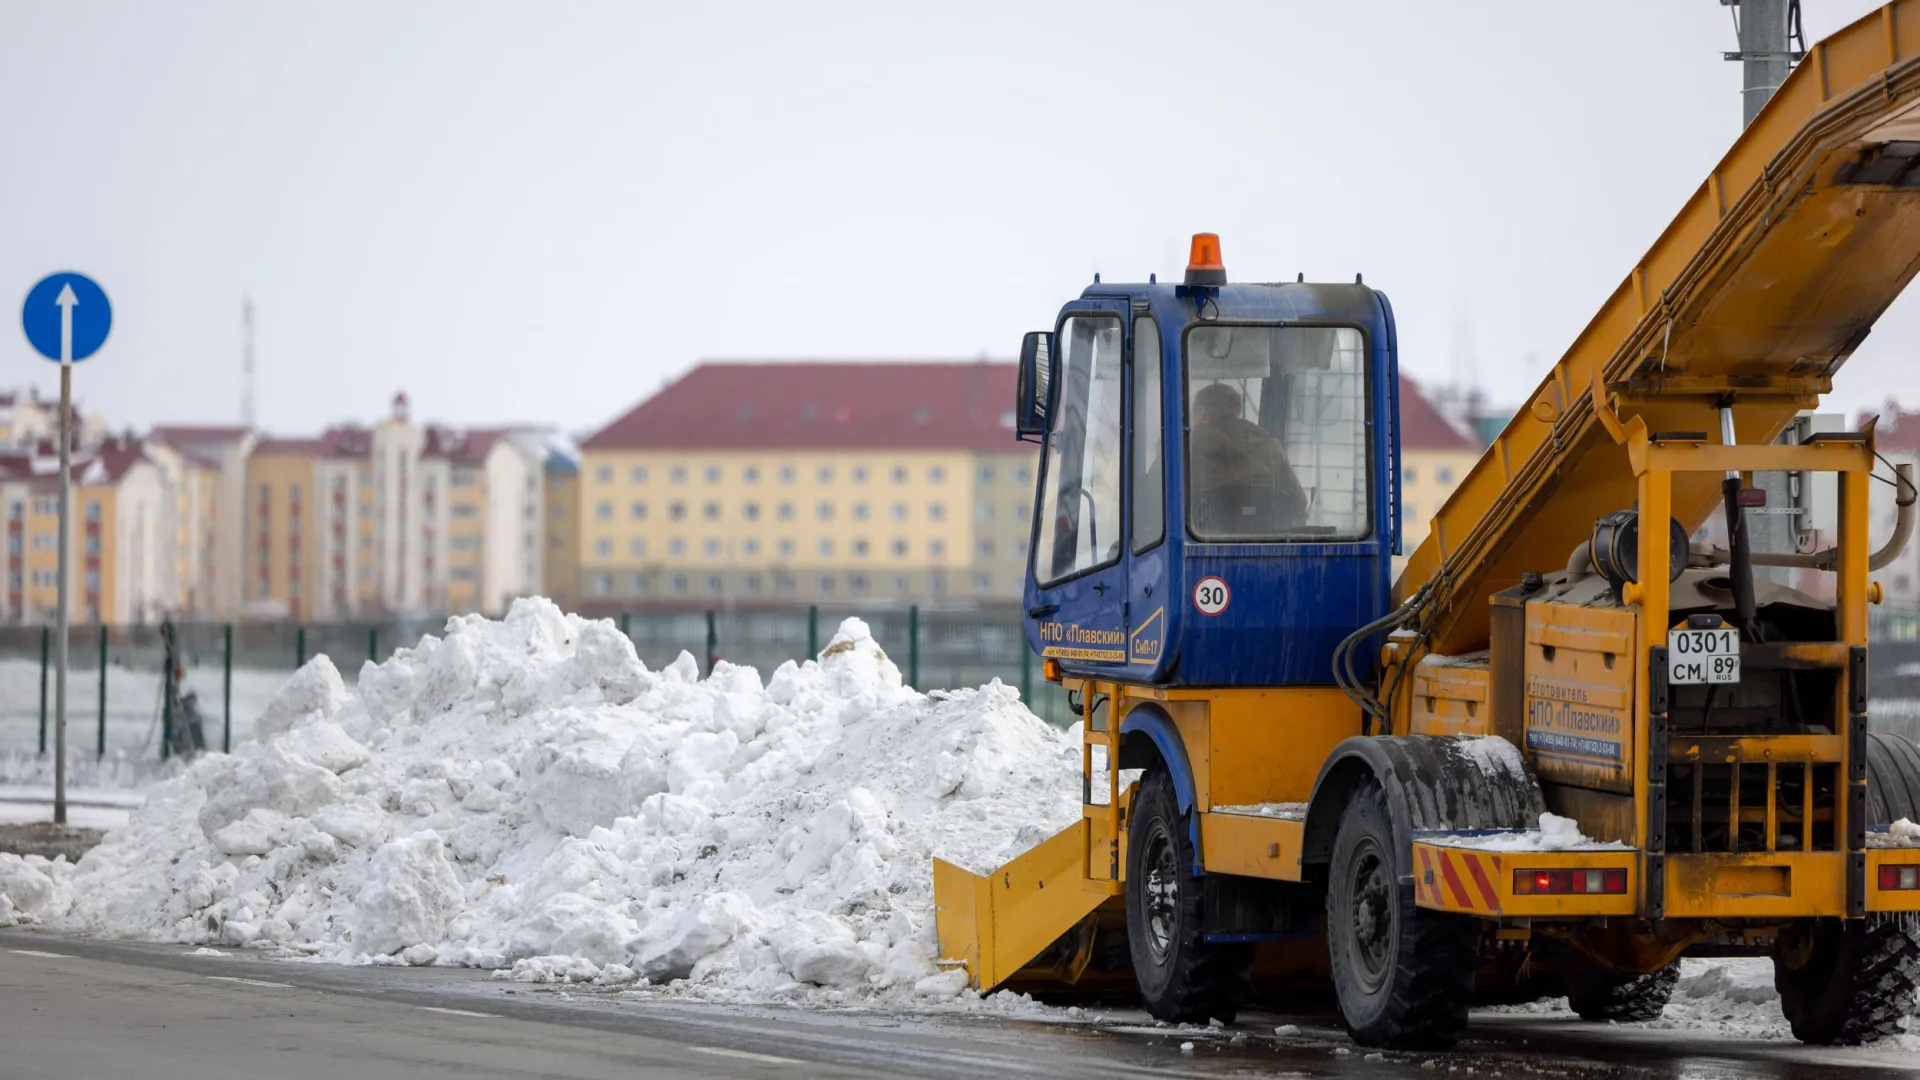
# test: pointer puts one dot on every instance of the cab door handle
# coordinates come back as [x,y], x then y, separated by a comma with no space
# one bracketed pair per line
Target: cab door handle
[1041,611]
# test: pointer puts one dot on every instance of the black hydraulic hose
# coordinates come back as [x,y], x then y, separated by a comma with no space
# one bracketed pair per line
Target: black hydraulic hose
[1740,557]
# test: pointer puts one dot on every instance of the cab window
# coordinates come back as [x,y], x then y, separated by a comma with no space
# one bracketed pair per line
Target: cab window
[1276,433]
[1079,526]
[1149,471]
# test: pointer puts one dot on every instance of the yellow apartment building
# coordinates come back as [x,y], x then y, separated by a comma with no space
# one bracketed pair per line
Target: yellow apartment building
[1435,455]
[117,535]
[805,482]
[560,551]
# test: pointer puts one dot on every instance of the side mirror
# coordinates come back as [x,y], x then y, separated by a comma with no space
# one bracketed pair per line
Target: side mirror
[1033,395]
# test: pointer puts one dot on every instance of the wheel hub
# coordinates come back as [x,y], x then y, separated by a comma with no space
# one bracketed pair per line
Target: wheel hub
[1371,916]
[1161,894]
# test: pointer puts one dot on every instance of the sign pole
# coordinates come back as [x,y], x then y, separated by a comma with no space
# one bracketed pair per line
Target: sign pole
[60,629]
[66,327]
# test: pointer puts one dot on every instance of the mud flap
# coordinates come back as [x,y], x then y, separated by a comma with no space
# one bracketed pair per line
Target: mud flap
[1030,923]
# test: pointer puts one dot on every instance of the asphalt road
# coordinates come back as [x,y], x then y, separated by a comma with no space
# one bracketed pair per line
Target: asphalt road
[78,1008]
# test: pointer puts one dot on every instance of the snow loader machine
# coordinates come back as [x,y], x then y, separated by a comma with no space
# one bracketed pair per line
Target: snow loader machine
[1297,766]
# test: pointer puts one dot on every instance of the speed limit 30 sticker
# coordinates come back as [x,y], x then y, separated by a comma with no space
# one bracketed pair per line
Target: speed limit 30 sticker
[1211,596]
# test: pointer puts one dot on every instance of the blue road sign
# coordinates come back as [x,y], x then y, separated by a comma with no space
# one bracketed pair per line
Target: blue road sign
[66,317]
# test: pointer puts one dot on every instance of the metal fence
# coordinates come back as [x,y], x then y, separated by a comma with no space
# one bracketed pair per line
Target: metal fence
[114,688]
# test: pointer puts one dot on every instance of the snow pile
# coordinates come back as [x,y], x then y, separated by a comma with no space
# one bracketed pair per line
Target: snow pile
[1555,833]
[525,795]
[1901,834]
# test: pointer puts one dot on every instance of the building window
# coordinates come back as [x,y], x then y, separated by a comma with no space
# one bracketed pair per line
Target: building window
[638,474]
[937,583]
[1444,474]
[936,474]
[750,511]
[466,510]
[676,547]
[857,584]
[711,546]
[603,548]
[900,586]
[859,474]
[1020,547]
[936,548]
[1408,513]
[986,474]
[1020,511]
[986,549]
[636,547]
[604,474]
[860,548]
[750,474]
[786,474]
[712,511]
[713,584]
[93,505]
[602,584]
[638,511]
[462,478]
[604,511]
[750,546]
[639,583]
[899,511]
[752,583]
[713,474]
[826,547]
[983,584]
[983,513]
[677,474]
[1408,475]
[824,511]
[1023,474]
[786,549]
[677,511]
[784,583]
[824,474]
[899,474]
[826,583]
[936,511]
[679,584]
[859,511]
[899,549]
[786,511]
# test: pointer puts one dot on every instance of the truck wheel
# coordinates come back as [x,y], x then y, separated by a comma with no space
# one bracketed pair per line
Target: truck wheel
[1597,994]
[1182,977]
[1846,983]
[1403,976]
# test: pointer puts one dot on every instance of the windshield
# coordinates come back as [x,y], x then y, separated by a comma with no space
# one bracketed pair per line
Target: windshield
[1276,433]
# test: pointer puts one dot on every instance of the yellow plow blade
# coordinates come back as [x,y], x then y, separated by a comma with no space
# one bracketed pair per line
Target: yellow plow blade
[1031,924]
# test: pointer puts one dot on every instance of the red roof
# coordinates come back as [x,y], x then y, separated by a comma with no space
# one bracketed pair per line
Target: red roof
[1421,425]
[461,446]
[826,406]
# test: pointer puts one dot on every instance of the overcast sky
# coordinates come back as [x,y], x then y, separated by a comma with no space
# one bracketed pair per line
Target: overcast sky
[543,211]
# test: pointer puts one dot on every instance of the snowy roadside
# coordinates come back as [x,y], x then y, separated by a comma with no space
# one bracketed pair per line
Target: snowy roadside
[525,796]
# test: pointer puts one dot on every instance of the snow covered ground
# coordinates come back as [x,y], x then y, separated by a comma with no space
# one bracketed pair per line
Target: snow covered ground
[524,795]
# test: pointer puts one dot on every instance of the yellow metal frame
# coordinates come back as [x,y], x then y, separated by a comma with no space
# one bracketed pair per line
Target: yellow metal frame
[1757,886]
[996,923]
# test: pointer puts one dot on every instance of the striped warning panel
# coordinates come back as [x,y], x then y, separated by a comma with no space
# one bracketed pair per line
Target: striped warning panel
[1454,879]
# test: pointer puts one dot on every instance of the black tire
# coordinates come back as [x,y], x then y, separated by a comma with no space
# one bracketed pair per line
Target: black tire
[1843,983]
[1599,995]
[1403,975]
[1182,978]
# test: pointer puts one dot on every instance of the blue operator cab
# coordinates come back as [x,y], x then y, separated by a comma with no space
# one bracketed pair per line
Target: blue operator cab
[1215,502]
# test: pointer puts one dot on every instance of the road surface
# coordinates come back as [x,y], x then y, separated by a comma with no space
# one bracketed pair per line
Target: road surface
[79,1008]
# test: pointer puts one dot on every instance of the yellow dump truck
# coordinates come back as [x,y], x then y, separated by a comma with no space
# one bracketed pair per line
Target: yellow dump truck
[1572,736]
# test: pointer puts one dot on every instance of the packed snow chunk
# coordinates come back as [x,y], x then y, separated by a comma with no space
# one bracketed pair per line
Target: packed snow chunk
[326,744]
[1555,833]
[256,834]
[272,779]
[410,896]
[604,660]
[24,886]
[818,949]
[314,693]
[668,949]
[578,788]
[356,821]
[1492,755]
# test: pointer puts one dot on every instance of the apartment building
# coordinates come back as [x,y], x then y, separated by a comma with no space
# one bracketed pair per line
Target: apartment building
[117,535]
[803,482]
[27,418]
[400,517]
[1435,455]
[205,468]
[560,555]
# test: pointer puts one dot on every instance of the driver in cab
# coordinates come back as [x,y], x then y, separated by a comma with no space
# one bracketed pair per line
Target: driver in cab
[1243,484]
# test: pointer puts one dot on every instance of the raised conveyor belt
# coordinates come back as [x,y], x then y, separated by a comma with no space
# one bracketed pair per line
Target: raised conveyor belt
[1768,278]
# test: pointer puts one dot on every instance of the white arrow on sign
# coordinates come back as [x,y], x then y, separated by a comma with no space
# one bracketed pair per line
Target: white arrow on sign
[66,300]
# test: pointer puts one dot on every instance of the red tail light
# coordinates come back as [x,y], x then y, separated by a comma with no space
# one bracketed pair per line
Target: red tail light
[1569,882]
[1902,878]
